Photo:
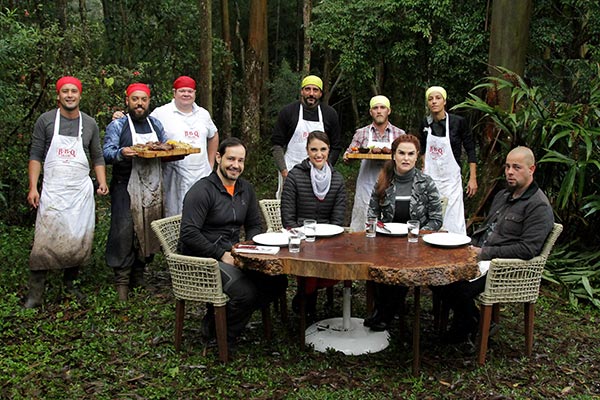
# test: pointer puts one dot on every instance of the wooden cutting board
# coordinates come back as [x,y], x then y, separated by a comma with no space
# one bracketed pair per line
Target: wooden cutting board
[167,153]
[369,156]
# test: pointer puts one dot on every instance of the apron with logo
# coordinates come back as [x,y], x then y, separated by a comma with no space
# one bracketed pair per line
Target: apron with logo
[145,191]
[64,226]
[179,176]
[441,165]
[296,149]
[367,177]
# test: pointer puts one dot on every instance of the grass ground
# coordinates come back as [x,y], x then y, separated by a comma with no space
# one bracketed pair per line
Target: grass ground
[103,349]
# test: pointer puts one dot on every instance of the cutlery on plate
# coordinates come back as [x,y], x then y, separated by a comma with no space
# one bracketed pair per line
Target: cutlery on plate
[382,226]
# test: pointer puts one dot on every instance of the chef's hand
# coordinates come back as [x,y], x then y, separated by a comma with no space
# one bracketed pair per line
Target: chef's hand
[472,187]
[128,152]
[33,198]
[227,258]
[284,173]
[346,159]
[117,115]
[102,189]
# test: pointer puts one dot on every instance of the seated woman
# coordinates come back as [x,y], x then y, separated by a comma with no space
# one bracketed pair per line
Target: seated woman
[402,193]
[313,190]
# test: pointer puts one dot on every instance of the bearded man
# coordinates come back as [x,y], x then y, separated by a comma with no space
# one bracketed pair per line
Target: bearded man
[136,190]
[296,121]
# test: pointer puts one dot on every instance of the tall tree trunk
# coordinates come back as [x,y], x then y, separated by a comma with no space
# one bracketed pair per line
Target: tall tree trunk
[509,38]
[306,12]
[205,62]
[225,129]
[253,72]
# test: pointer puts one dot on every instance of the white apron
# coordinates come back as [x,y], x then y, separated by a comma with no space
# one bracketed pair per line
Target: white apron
[367,177]
[64,226]
[179,176]
[441,165]
[296,149]
[145,191]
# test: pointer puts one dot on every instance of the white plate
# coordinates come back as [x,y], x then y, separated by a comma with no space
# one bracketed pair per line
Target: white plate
[271,239]
[395,229]
[328,230]
[446,239]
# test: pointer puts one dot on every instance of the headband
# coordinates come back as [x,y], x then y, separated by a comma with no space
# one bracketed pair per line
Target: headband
[66,80]
[312,80]
[184,82]
[438,89]
[380,100]
[134,87]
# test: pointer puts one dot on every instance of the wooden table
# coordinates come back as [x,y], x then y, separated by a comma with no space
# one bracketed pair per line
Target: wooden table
[384,259]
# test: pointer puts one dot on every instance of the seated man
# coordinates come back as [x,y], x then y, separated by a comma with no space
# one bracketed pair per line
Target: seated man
[214,209]
[519,221]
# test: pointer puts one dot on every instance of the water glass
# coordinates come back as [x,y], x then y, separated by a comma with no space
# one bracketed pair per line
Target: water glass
[371,229]
[294,243]
[413,230]
[310,229]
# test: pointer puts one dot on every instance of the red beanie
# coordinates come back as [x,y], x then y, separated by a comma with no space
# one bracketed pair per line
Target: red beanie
[138,86]
[68,79]
[184,82]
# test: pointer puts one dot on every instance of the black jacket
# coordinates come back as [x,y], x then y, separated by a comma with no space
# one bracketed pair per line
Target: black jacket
[298,202]
[212,218]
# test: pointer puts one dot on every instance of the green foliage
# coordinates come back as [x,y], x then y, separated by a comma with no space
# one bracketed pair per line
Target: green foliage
[564,137]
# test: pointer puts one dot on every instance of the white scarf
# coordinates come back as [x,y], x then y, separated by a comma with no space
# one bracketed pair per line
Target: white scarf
[320,180]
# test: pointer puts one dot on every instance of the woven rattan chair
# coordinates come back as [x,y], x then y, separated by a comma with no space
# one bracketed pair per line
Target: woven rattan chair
[196,279]
[513,281]
[272,214]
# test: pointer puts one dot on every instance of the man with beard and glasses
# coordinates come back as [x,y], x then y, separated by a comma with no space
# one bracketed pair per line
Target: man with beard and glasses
[518,223]
[296,121]
[381,133]
[214,210]
[136,191]
[63,140]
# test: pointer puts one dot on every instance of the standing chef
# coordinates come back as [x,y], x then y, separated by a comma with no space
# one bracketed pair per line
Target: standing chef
[381,133]
[136,190]
[443,136]
[296,121]
[184,121]
[64,228]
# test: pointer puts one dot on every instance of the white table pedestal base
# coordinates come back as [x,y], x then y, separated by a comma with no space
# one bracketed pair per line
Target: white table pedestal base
[356,340]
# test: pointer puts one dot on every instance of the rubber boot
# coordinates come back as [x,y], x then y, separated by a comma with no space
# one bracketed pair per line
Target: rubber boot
[122,282]
[37,285]
[70,284]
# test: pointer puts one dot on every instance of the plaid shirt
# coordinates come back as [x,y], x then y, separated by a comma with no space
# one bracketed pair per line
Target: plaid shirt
[362,135]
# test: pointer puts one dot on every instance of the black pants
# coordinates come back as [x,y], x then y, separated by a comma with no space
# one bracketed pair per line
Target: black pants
[460,297]
[389,300]
[247,291]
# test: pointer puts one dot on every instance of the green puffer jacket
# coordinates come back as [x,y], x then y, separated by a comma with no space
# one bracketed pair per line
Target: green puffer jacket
[425,203]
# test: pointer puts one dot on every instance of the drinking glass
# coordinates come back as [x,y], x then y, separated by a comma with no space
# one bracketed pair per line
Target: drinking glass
[413,230]
[310,229]
[371,229]
[294,243]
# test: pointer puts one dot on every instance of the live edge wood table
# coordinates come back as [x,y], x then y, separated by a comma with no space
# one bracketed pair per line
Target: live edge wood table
[383,259]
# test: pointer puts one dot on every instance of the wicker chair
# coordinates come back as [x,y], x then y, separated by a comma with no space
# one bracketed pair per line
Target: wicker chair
[196,279]
[271,212]
[513,281]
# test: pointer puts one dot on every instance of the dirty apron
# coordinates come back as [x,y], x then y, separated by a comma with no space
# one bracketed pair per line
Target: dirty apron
[367,177]
[296,149]
[64,226]
[145,191]
[441,165]
[179,176]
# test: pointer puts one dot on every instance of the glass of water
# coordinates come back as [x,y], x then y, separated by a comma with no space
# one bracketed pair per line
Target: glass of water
[413,230]
[371,228]
[294,243]
[310,229]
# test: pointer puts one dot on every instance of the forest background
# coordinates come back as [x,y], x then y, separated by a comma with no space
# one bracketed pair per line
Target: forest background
[248,57]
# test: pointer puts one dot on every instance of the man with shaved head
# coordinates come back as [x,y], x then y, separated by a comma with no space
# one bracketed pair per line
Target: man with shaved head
[518,223]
